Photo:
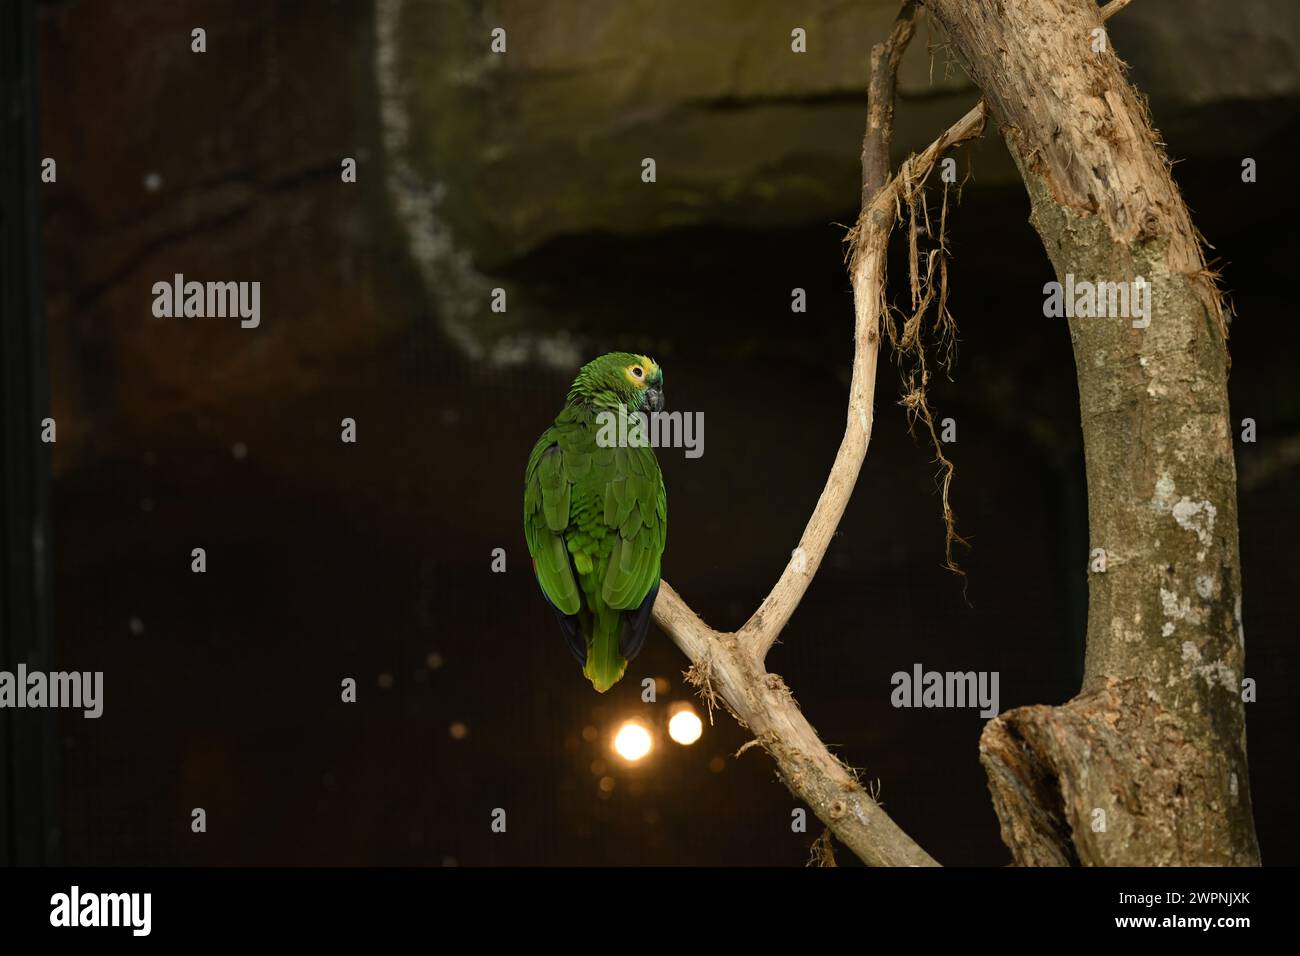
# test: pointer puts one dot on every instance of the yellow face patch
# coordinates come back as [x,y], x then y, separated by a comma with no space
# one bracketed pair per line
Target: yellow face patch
[641,371]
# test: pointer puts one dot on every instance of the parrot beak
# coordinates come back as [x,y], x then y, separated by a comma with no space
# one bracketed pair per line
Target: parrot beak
[654,398]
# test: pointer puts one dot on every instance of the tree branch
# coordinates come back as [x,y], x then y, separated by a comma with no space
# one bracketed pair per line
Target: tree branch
[879,134]
[729,666]
[766,624]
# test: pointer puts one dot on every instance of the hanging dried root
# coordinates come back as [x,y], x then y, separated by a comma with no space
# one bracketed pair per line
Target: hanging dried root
[928,331]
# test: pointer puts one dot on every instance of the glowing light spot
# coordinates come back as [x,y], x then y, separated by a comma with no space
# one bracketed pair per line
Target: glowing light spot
[685,727]
[458,730]
[632,742]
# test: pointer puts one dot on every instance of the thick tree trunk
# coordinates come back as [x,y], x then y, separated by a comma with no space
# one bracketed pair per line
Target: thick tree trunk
[1147,765]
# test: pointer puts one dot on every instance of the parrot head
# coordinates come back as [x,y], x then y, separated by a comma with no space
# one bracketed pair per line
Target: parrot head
[620,378]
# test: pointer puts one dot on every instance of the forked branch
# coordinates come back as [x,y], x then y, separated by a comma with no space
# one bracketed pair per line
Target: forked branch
[728,667]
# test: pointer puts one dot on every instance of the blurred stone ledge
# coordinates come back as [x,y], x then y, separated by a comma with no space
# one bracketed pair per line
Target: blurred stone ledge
[491,155]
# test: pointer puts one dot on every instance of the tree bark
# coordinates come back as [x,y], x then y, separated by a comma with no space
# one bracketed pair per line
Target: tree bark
[1147,765]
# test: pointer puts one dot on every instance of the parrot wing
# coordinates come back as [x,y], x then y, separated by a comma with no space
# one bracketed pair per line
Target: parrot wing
[636,508]
[546,516]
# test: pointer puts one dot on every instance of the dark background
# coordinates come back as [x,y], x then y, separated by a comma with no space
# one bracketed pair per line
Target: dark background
[372,561]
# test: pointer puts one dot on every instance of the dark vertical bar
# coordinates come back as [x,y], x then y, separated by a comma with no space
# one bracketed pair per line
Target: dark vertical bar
[30,831]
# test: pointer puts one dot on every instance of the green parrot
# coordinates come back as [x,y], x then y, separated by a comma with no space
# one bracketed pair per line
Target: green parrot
[596,514]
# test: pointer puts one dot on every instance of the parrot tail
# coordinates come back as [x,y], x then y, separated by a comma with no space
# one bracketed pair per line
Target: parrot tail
[605,665]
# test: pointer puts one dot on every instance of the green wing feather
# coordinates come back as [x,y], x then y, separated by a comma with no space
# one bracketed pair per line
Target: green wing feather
[546,517]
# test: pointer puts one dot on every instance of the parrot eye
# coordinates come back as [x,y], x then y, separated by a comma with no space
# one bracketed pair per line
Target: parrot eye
[637,371]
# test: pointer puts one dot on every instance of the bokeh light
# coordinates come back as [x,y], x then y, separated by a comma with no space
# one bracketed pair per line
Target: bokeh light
[685,727]
[632,742]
